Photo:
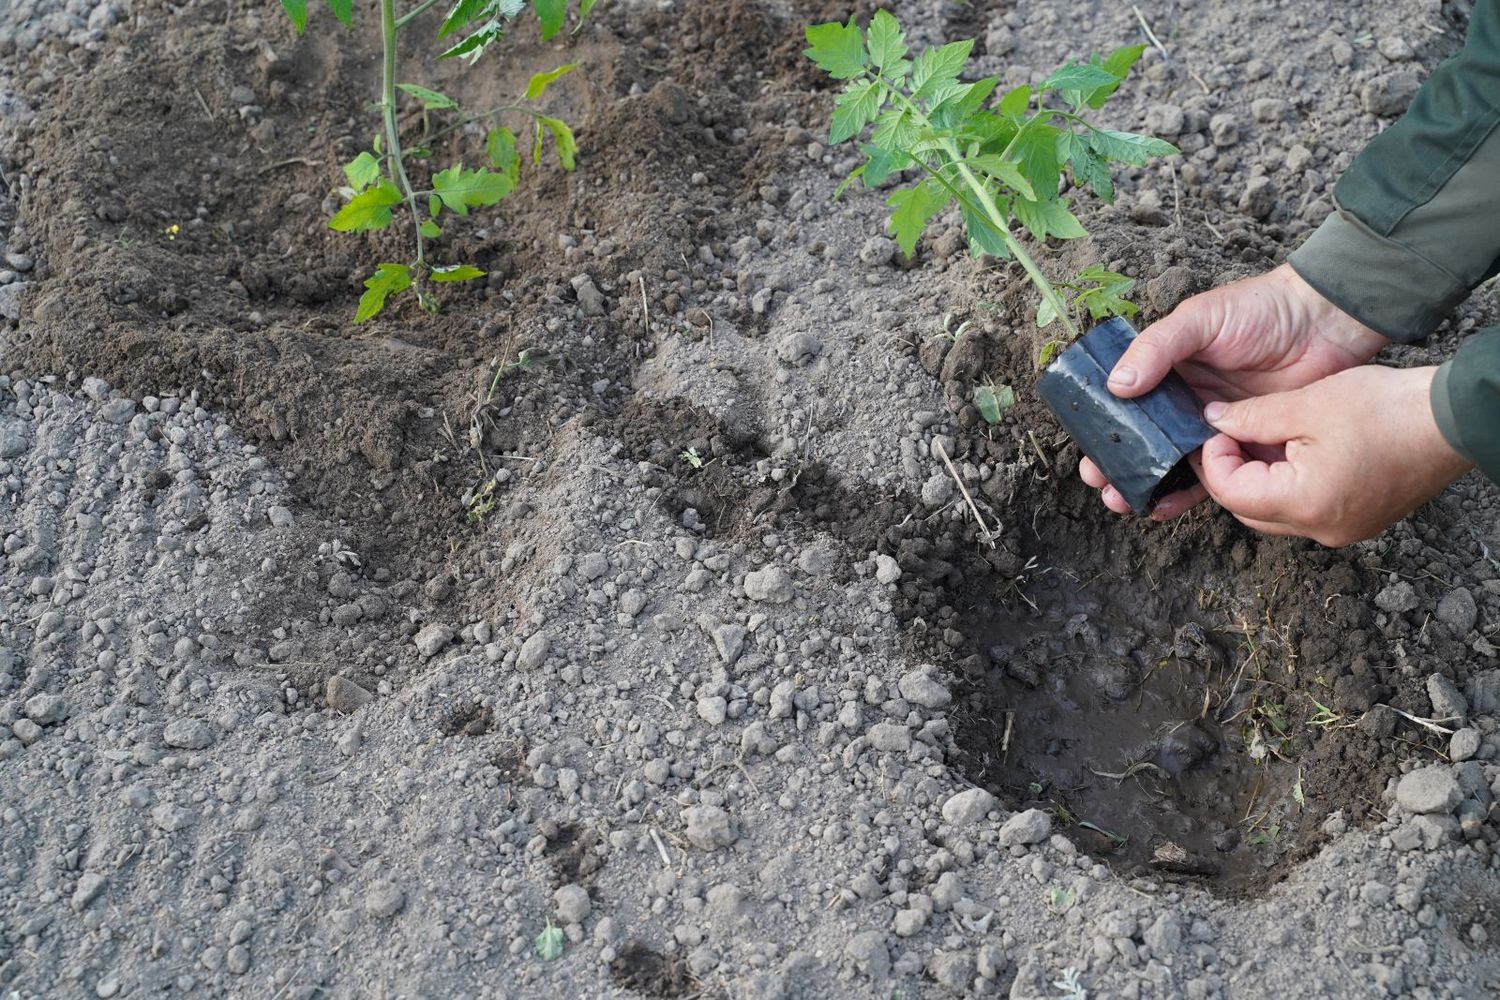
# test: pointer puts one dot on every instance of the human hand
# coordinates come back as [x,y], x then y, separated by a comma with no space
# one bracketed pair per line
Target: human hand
[1358,451]
[1271,333]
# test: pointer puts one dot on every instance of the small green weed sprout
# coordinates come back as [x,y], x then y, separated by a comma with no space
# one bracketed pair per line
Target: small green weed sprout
[379,184]
[1001,162]
[691,457]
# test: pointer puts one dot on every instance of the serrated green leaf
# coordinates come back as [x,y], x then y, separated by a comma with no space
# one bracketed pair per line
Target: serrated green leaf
[882,164]
[370,209]
[984,237]
[1078,77]
[914,208]
[837,48]
[456,272]
[430,99]
[362,171]
[966,99]
[1035,149]
[296,12]
[1004,171]
[1102,293]
[1128,147]
[473,46]
[993,400]
[537,85]
[562,137]
[1089,169]
[1122,59]
[462,13]
[343,10]
[1048,218]
[856,107]
[935,66]
[388,280]
[551,14]
[500,147]
[1016,102]
[549,943]
[462,189]
[430,229]
[895,129]
[887,43]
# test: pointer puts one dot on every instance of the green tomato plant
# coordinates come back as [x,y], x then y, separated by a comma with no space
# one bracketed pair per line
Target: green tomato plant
[379,181]
[1002,162]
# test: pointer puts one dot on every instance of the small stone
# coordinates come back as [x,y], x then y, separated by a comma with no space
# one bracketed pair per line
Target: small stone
[909,921]
[877,250]
[1298,157]
[573,904]
[953,970]
[947,891]
[729,640]
[1259,197]
[1397,598]
[280,517]
[1459,611]
[10,299]
[1388,94]
[1430,789]
[1395,48]
[96,389]
[890,737]
[771,584]
[1164,120]
[534,651]
[1464,745]
[384,899]
[920,687]
[46,709]
[1164,936]
[937,490]
[237,960]
[990,961]
[632,602]
[713,710]
[817,560]
[887,570]
[1268,109]
[593,565]
[708,827]
[1030,827]
[1448,702]
[1223,130]
[343,695]
[1484,692]
[18,261]
[26,731]
[867,952]
[432,639]
[172,818]
[968,807]
[90,885]
[589,297]
[187,734]
[118,411]
[799,348]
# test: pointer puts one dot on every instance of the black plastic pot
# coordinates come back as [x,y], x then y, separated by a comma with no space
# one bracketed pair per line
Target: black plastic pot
[1141,445]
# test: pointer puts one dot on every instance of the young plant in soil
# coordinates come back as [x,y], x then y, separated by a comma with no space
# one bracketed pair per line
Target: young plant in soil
[1001,162]
[379,184]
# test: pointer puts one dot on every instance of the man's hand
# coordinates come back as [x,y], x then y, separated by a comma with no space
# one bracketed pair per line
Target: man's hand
[1358,451]
[1266,334]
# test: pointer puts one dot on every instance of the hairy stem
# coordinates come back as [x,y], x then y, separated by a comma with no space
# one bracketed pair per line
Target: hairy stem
[388,28]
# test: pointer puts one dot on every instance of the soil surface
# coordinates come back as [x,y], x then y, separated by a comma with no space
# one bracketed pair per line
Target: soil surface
[346,660]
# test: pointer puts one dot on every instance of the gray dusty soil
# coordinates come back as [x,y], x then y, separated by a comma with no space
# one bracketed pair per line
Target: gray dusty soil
[306,692]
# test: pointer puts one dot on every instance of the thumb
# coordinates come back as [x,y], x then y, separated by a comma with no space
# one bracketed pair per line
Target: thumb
[1190,328]
[1272,419]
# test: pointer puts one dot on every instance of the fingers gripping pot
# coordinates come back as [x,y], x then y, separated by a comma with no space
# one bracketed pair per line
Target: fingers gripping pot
[1141,445]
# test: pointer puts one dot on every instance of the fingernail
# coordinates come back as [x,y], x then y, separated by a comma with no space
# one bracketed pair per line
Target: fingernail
[1123,377]
[1213,411]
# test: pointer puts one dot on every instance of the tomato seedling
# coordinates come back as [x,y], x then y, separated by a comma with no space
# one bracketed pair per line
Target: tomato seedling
[1002,162]
[379,184]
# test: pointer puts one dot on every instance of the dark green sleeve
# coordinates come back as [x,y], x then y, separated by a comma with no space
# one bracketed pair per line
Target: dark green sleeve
[1417,228]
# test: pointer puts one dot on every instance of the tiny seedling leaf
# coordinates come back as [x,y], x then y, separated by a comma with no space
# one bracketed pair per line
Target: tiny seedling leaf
[549,943]
[296,11]
[430,229]
[456,272]
[993,400]
[388,280]
[887,43]
[430,99]
[343,10]
[362,171]
[562,136]
[551,14]
[370,209]
[837,48]
[538,84]
[462,189]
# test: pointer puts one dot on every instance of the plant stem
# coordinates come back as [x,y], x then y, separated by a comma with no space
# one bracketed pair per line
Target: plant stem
[414,13]
[388,28]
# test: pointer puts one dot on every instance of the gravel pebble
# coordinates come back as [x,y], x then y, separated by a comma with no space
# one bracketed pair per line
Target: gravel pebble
[572,903]
[384,899]
[1430,789]
[1030,827]
[432,639]
[534,651]
[968,806]
[188,734]
[344,695]
[771,584]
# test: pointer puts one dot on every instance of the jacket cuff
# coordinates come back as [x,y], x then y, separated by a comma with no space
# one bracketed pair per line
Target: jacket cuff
[1466,401]
[1387,286]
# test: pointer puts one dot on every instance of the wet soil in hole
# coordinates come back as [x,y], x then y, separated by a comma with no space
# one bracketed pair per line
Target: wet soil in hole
[1141,739]
[648,971]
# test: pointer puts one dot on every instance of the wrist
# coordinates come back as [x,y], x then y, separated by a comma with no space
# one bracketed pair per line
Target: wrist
[1431,445]
[1327,320]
